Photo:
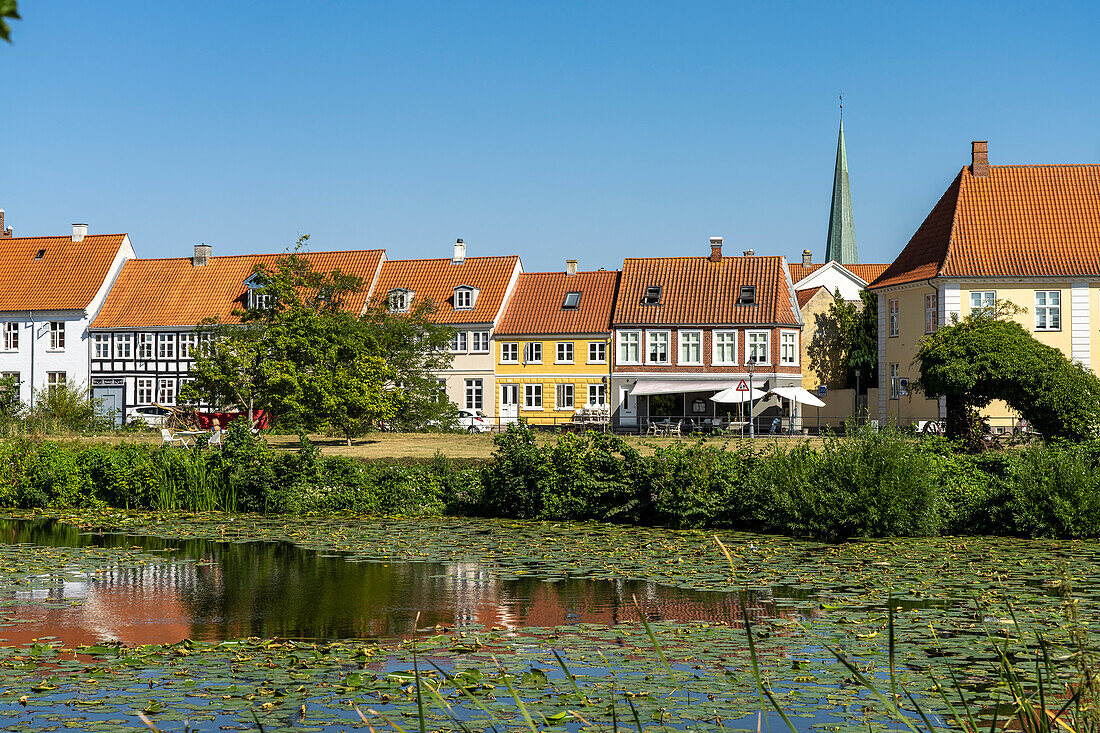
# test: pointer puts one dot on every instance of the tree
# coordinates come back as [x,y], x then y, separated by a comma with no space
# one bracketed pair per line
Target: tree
[8,9]
[228,367]
[845,339]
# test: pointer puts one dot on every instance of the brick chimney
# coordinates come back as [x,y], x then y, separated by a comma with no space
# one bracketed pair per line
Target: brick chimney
[202,255]
[715,249]
[4,233]
[570,267]
[979,159]
[460,253]
[79,232]
[807,257]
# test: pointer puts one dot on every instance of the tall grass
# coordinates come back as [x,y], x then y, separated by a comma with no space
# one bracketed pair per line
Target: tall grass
[192,480]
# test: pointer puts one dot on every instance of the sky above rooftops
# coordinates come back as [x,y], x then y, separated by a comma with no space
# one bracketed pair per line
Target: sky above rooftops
[593,131]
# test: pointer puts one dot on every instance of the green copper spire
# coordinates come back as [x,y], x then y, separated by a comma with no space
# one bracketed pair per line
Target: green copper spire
[841,242]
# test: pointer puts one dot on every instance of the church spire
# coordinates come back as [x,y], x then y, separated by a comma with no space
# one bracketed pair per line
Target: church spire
[841,242]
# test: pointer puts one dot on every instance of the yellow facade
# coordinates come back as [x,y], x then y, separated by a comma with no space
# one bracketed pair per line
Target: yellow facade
[516,368]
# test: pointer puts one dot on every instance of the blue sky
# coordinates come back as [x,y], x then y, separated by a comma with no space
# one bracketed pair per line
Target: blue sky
[593,130]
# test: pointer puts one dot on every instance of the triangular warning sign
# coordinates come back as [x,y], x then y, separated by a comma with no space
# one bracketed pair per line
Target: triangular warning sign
[742,386]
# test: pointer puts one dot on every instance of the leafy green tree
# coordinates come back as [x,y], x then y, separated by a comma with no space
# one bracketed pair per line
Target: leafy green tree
[228,368]
[8,9]
[845,339]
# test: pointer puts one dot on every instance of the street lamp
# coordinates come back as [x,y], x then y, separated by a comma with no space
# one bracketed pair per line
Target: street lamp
[751,365]
[857,394]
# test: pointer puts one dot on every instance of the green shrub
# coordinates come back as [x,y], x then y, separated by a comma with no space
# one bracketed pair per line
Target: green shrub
[516,475]
[1054,491]
[592,476]
[704,485]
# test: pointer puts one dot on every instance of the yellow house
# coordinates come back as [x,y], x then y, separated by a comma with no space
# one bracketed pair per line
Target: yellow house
[1027,234]
[551,347]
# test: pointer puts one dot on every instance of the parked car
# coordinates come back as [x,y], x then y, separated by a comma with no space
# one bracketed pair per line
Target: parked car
[472,421]
[151,415]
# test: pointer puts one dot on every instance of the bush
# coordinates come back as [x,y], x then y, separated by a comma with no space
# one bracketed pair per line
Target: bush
[703,485]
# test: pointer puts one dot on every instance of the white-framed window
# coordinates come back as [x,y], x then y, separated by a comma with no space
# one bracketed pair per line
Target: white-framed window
[124,346]
[788,348]
[145,391]
[565,353]
[459,342]
[57,337]
[758,347]
[509,352]
[465,298]
[893,317]
[183,381]
[187,345]
[1048,310]
[166,346]
[55,381]
[206,342]
[145,345]
[630,347]
[725,347]
[597,352]
[597,394]
[166,394]
[532,396]
[14,376]
[931,313]
[564,397]
[480,342]
[532,352]
[691,347]
[982,300]
[11,336]
[101,346]
[895,390]
[399,300]
[441,391]
[473,394]
[656,347]
[258,299]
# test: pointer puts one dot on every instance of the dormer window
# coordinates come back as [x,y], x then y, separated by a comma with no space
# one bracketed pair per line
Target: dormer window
[465,296]
[571,302]
[652,295]
[257,299]
[400,300]
[748,295]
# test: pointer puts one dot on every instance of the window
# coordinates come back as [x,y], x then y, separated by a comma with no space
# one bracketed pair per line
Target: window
[597,394]
[465,296]
[788,348]
[101,346]
[894,387]
[206,343]
[691,347]
[145,346]
[259,300]
[183,382]
[747,296]
[982,300]
[657,351]
[597,352]
[144,391]
[532,396]
[564,396]
[14,376]
[931,320]
[758,347]
[652,295]
[458,343]
[565,352]
[55,381]
[57,336]
[571,302]
[167,392]
[399,300]
[40,255]
[473,394]
[509,353]
[187,345]
[441,391]
[725,347]
[166,346]
[11,336]
[893,318]
[630,347]
[1048,310]
[481,342]
[532,352]
[124,346]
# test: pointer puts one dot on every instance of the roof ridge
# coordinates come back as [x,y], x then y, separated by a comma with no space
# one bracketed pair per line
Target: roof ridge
[257,254]
[467,259]
[66,236]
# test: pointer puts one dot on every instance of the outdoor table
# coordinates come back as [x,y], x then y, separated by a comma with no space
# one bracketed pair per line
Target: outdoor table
[188,436]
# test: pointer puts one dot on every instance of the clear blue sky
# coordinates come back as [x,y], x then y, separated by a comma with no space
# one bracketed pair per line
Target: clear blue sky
[593,130]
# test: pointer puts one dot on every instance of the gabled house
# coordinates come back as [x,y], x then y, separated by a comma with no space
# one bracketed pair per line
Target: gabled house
[686,327]
[144,338]
[467,293]
[552,345]
[50,290]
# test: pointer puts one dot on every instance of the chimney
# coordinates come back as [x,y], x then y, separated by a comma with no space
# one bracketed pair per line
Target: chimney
[202,255]
[4,233]
[749,252]
[715,249]
[979,159]
[79,232]
[807,257]
[460,253]
[570,267]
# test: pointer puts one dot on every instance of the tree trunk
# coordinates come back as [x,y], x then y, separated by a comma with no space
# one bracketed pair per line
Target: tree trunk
[962,423]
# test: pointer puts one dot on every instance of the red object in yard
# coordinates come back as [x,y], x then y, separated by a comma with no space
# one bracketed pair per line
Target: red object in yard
[205,420]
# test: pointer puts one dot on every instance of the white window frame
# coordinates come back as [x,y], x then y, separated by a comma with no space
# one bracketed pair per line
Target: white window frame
[597,394]
[480,343]
[460,344]
[101,346]
[1047,309]
[399,300]
[147,345]
[724,338]
[931,313]
[893,318]
[124,340]
[182,381]
[564,397]
[767,361]
[597,352]
[145,387]
[187,343]
[532,394]
[57,337]
[11,336]
[788,339]
[564,352]
[166,346]
[653,338]
[55,380]
[684,339]
[465,297]
[532,352]
[475,394]
[166,391]
[626,340]
[895,387]
[985,300]
[509,352]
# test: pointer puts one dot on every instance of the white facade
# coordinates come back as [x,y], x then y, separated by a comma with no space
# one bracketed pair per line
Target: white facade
[833,276]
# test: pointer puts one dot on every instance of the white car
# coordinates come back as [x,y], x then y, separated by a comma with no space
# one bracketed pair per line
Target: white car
[151,415]
[472,421]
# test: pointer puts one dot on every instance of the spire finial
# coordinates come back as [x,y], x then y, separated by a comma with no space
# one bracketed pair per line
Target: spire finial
[842,107]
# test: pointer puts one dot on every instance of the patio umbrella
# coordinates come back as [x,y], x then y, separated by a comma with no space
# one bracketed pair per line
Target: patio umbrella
[799,395]
[732,395]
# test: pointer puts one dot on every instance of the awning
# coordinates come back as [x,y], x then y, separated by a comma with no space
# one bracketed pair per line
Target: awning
[798,394]
[676,386]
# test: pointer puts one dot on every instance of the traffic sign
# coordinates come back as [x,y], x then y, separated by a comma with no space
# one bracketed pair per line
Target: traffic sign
[742,386]
[822,390]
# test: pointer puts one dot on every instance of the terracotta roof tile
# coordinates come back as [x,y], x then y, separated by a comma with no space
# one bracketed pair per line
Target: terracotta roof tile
[867,272]
[173,292]
[804,296]
[436,280]
[67,276]
[536,303]
[1020,221]
[695,290]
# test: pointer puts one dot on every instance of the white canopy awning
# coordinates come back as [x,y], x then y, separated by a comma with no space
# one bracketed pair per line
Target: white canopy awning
[799,395]
[732,395]
[676,386]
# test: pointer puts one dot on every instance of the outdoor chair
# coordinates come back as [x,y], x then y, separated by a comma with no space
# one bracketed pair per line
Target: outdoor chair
[215,440]
[166,438]
[651,428]
[674,430]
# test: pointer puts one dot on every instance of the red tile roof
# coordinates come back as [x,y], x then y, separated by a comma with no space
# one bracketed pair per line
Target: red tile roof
[436,280]
[696,291]
[867,273]
[536,303]
[804,296]
[173,292]
[1020,221]
[67,277]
